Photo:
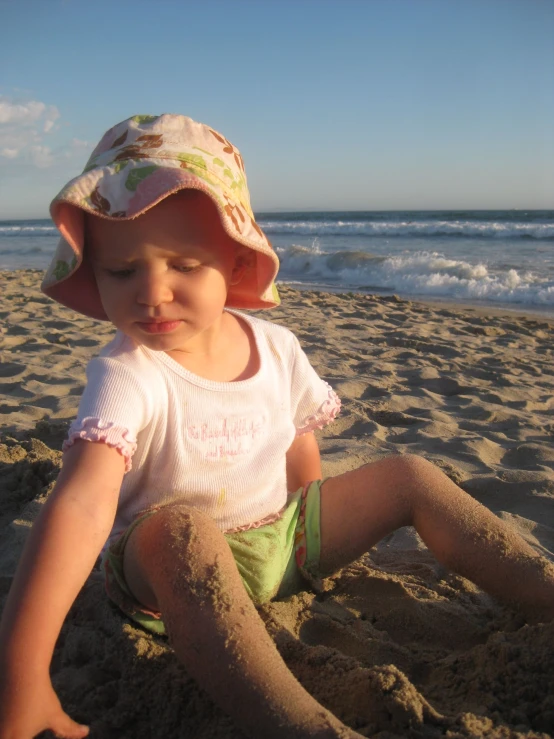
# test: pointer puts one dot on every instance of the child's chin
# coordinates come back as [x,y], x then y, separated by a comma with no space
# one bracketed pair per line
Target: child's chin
[160,342]
[163,337]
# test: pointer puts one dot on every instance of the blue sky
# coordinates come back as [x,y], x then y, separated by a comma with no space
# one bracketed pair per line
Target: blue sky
[334,104]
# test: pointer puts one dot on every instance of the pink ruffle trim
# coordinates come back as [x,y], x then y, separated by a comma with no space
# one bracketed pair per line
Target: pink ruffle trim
[327,412]
[94,429]
[256,524]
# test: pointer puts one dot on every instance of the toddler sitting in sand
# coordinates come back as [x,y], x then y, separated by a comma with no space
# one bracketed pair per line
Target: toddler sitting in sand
[192,465]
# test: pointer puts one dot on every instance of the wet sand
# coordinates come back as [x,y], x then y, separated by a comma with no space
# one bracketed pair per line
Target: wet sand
[393,644]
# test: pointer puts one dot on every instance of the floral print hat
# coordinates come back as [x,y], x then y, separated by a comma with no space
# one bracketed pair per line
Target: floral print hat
[138,163]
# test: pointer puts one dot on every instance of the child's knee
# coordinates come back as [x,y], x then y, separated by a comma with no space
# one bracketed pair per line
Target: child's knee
[173,545]
[410,476]
[170,537]
[415,467]
[405,469]
[175,528]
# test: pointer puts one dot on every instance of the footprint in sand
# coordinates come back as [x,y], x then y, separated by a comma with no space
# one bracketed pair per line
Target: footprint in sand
[15,390]
[372,391]
[11,369]
[445,386]
[529,456]
[393,418]
[6,409]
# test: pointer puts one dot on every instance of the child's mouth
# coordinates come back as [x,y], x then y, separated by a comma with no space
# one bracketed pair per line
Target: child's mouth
[158,327]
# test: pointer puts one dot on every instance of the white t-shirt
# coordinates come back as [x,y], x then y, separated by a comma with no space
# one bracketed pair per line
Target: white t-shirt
[216,446]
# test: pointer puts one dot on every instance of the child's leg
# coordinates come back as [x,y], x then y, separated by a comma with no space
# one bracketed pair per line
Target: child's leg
[178,562]
[360,507]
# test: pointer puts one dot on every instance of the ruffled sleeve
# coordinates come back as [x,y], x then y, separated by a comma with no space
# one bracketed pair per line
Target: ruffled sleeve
[314,402]
[327,412]
[95,429]
[114,408]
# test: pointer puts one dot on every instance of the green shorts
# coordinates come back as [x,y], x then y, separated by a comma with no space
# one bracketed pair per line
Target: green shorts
[274,561]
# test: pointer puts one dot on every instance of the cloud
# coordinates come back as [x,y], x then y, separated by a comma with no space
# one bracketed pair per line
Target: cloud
[79,144]
[20,113]
[22,128]
[41,156]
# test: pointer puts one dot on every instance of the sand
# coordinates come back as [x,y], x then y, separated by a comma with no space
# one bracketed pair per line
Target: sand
[393,644]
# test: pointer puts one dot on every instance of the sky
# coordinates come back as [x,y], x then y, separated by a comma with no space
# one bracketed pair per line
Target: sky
[334,104]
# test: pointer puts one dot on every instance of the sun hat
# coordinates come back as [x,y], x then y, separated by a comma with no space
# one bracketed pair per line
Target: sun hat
[138,163]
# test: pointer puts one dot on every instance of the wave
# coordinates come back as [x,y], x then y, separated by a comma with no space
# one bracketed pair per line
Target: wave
[535,225]
[25,251]
[24,230]
[418,274]
[425,228]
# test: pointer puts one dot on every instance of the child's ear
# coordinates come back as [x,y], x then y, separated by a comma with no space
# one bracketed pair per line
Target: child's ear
[245,259]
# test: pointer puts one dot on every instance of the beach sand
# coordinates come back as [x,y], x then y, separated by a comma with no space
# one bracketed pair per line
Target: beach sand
[393,644]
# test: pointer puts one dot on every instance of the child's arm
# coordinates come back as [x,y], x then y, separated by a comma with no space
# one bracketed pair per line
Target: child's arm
[303,461]
[59,555]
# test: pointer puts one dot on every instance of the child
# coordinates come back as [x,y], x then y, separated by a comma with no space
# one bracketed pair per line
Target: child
[192,463]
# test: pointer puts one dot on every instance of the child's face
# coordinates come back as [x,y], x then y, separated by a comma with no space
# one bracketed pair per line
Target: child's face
[163,277]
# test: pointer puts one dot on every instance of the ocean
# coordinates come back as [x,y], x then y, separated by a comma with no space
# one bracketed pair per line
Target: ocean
[501,259]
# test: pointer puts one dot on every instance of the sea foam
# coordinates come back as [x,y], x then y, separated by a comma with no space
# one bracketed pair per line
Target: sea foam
[422,273]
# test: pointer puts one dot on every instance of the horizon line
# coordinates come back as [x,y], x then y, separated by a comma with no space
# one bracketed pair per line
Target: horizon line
[343,210]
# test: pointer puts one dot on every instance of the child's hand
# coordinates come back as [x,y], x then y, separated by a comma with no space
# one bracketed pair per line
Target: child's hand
[26,710]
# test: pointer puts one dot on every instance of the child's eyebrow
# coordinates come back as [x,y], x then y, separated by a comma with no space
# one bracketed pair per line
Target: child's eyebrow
[107,259]
[130,259]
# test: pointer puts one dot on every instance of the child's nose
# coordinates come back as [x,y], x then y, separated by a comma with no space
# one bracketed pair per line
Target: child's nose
[154,290]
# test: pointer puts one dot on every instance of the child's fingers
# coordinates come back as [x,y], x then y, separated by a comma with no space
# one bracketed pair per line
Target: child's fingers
[29,707]
[65,728]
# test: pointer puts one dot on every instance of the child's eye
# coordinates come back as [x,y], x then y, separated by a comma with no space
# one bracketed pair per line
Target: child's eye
[186,267]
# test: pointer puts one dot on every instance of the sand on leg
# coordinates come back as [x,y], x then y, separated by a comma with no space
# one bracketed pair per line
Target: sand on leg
[178,562]
[359,508]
